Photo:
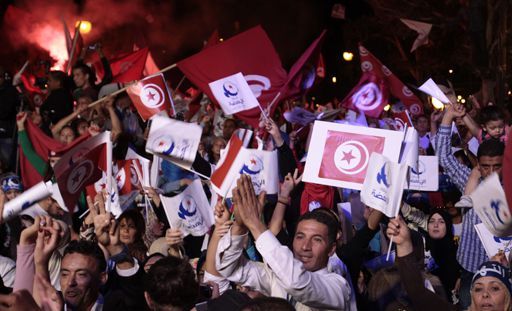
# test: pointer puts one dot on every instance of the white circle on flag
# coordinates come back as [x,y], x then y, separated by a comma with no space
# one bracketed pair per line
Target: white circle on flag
[79,175]
[399,124]
[152,95]
[368,97]
[134,178]
[386,70]
[366,66]
[406,91]
[415,109]
[351,157]
[258,84]
[120,178]
[363,51]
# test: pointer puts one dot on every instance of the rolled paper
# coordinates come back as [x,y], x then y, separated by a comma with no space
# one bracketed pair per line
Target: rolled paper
[27,199]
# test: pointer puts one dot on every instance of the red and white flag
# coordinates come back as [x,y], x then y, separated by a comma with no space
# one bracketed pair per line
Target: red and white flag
[384,81]
[115,206]
[151,96]
[141,169]
[233,94]
[174,140]
[190,210]
[339,154]
[402,120]
[250,53]
[384,184]
[228,168]
[83,165]
[129,67]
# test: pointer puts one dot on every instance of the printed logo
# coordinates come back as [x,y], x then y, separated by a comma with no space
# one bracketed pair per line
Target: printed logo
[152,95]
[79,175]
[382,177]
[164,144]
[187,208]
[351,157]
[253,166]
[368,97]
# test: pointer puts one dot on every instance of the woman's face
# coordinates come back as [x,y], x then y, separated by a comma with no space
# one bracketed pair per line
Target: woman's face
[218,145]
[436,227]
[127,231]
[66,135]
[488,293]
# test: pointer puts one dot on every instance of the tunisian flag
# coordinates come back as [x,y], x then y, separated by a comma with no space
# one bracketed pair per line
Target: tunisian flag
[150,96]
[381,76]
[339,154]
[250,53]
[129,67]
[83,165]
[43,146]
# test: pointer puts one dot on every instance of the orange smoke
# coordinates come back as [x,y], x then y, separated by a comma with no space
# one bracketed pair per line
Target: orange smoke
[52,40]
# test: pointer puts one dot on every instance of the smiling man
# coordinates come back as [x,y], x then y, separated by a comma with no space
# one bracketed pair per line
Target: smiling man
[83,271]
[300,276]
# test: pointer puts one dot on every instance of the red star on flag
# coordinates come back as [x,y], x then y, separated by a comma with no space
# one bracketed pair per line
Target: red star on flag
[253,161]
[347,156]
[151,96]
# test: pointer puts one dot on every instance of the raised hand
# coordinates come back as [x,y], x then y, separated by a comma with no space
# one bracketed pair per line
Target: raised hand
[248,206]
[48,238]
[290,182]
[21,117]
[101,218]
[399,232]
[273,130]
[174,237]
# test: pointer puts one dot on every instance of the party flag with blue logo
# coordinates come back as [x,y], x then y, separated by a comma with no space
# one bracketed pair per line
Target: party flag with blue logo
[233,94]
[384,184]
[190,210]
[174,140]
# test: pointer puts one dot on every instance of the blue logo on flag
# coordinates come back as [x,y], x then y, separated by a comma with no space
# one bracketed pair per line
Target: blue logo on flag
[187,207]
[382,177]
[230,89]
[498,239]
[253,166]
[495,205]
[165,145]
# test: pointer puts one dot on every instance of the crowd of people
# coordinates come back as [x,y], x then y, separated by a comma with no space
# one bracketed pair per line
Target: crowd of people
[294,250]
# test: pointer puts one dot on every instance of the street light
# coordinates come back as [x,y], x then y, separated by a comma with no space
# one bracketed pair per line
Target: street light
[85,26]
[348,56]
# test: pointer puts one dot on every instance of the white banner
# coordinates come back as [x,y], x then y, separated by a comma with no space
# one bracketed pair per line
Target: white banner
[492,243]
[27,199]
[190,210]
[384,184]
[174,140]
[491,206]
[233,94]
[426,176]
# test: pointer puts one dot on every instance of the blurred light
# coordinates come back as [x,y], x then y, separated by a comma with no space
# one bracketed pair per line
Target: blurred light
[509,93]
[450,71]
[436,103]
[221,39]
[459,97]
[387,107]
[333,79]
[313,98]
[85,26]
[463,101]
[348,56]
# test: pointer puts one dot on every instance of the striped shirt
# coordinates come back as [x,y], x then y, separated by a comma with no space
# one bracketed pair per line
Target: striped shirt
[471,252]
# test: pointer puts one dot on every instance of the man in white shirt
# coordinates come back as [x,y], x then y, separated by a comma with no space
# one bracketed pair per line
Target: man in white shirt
[300,277]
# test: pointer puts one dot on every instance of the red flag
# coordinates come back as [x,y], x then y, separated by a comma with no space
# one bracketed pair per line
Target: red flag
[129,67]
[251,53]
[373,69]
[402,119]
[81,166]
[150,96]
[370,95]
[303,72]
[43,145]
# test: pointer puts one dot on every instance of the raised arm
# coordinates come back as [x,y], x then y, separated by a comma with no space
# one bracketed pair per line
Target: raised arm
[66,120]
[283,201]
[471,124]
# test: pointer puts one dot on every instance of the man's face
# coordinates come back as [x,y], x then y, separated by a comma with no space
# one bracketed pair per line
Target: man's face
[79,77]
[311,245]
[228,128]
[422,124]
[53,84]
[80,280]
[489,165]
[11,194]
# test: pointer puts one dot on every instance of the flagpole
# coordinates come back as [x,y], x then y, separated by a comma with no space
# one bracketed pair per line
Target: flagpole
[127,86]
[73,47]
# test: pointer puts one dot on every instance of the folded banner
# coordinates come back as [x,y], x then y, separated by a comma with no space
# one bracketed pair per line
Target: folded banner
[491,206]
[233,94]
[83,165]
[27,199]
[190,210]
[174,140]
[493,244]
[151,96]
[426,176]
[384,184]
[339,153]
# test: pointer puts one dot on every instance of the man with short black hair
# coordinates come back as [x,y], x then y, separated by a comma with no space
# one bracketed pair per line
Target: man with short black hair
[171,285]
[301,276]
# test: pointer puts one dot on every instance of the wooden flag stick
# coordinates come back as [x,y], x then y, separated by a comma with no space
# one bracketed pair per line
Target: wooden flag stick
[127,86]
[73,47]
